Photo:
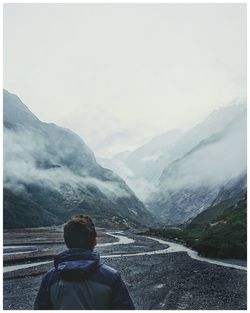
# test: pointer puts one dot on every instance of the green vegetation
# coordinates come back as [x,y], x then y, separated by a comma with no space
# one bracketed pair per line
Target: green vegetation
[48,209]
[227,236]
[219,231]
[22,212]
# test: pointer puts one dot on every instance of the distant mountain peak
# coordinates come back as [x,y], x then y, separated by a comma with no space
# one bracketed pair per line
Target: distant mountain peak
[16,112]
[51,174]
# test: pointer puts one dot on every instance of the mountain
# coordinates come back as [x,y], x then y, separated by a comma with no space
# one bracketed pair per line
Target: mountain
[179,174]
[50,174]
[221,231]
[210,165]
[142,168]
[142,187]
[117,164]
[212,214]
[149,160]
[213,124]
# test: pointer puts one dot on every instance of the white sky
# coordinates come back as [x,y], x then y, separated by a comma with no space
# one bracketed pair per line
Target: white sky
[119,74]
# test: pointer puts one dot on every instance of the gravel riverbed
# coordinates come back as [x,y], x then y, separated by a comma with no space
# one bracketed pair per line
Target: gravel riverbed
[157,281]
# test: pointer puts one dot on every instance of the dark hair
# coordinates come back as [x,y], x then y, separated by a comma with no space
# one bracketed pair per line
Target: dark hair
[79,232]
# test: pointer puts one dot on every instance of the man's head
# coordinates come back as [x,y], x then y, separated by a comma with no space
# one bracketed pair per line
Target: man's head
[79,232]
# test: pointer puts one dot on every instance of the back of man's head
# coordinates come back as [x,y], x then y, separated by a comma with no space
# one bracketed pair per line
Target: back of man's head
[79,232]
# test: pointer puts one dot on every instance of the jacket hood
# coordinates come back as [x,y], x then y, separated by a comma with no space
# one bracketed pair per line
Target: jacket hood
[74,264]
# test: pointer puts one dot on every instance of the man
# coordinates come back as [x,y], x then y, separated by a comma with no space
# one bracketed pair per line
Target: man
[78,280]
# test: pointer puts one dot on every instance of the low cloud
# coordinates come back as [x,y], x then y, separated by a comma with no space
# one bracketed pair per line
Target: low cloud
[218,159]
[31,158]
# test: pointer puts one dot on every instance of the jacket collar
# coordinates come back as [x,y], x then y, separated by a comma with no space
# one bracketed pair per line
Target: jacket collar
[76,254]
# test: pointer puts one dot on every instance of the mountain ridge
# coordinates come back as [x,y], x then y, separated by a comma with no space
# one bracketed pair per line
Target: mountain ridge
[52,168]
[191,183]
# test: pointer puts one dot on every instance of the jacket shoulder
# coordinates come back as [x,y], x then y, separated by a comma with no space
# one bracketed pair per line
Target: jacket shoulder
[106,275]
[108,270]
[50,277]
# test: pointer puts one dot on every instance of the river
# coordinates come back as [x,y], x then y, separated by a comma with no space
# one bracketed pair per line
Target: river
[124,240]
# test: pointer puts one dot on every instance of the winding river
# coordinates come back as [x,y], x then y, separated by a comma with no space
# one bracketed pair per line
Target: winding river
[171,247]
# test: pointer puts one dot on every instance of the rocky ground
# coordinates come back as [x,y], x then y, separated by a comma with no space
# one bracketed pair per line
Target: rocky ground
[165,281]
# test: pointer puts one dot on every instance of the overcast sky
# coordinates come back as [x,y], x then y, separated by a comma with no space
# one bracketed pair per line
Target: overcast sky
[119,74]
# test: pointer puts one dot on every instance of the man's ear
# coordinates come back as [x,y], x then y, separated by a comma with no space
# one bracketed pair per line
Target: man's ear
[94,242]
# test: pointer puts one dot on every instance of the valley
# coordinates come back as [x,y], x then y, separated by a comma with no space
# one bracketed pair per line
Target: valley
[129,119]
[159,274]
[193,180]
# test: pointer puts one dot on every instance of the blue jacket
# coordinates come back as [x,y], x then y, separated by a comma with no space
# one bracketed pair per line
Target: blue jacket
[79,281]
